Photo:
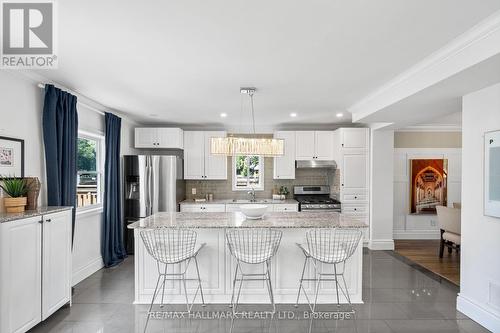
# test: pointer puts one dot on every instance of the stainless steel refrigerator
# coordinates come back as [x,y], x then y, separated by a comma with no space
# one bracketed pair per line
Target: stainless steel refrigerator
[152,184]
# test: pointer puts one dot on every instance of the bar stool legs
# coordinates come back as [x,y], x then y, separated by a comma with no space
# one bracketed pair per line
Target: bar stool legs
[266,276]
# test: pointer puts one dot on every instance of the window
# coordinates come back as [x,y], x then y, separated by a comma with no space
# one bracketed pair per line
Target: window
[248,173]
[89,167]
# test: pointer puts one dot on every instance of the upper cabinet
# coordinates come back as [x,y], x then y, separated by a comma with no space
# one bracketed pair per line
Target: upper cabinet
[151,137]
[284,166]
[199,163]
[354,137]
[314,145]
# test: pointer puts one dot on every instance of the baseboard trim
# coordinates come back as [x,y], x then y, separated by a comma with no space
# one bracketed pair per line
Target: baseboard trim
[478,313]
[87,270]
[381,244]
[416,234]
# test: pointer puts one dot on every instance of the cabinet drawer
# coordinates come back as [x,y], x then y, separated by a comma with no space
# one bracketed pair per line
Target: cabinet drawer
[354,197]
[360,209]
[209,208]
[286,208]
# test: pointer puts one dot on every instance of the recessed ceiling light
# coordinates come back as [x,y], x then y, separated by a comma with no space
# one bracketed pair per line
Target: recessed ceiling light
[223,115]
[293,115]
[339,115]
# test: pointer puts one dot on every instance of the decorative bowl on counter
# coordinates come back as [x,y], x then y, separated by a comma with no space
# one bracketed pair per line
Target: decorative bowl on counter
[253,211]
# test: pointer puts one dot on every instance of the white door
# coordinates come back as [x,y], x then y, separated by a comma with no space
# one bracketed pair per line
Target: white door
[215,165]
[145,137]
[56,262]
[194,155]
[284,166]
[354,171]
[355,138]
[170,138]
[304,145]
[20,274]
[323,145]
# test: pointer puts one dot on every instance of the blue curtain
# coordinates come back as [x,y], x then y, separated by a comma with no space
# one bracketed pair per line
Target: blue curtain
[60,135]
[112,247]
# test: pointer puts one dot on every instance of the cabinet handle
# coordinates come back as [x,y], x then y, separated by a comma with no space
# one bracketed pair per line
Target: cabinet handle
[355,208]
[41,221]
[48,220]
[342,184]
[355,197]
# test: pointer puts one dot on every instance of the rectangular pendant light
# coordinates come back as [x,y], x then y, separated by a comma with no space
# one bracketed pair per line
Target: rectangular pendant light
[231,146]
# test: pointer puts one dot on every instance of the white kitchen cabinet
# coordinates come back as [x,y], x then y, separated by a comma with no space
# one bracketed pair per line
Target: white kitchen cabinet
[314,145]
[284,166]
[158,137]
[354,171]
[199,163]
[207,208]
[56,262]
[354,137]
[215,165]
[20,274]
[35,269]
[323,145]
[194,155]
[286,208]
[304,145]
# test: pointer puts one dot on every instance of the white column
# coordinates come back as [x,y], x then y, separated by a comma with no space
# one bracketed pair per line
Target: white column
[381,189]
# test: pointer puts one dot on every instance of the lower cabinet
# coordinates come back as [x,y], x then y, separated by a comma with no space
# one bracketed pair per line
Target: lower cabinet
[207,208]
[35,269]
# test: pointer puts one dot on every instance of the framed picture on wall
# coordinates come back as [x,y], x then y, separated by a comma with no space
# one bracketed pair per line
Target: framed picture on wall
[428,185]
[11,157]
[492,174]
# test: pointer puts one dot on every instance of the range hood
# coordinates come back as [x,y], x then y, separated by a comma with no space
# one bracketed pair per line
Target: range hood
[316,164]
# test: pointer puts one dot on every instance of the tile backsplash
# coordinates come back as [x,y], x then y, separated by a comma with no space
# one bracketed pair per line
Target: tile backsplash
[222,189]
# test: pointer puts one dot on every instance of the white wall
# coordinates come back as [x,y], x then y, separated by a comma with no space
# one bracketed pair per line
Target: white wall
[411,226]
[479,296]
[381,190]
[21,117]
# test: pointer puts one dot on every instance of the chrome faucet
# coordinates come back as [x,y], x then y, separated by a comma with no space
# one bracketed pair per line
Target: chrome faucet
[251,193]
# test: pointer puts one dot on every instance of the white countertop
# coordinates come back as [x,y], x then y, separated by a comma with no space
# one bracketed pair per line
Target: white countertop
[240,202]
[238,220]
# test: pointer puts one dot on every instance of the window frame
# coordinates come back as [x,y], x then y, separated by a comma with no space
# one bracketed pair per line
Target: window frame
[260,187]
[100,157]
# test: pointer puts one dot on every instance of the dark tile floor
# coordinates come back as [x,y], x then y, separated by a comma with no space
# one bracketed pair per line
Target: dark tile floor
[398,298]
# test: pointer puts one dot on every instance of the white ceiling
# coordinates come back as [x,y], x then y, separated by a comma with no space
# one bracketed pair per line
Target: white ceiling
[184,60]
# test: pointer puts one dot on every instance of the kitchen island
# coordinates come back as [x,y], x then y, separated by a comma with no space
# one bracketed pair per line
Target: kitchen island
[217,265]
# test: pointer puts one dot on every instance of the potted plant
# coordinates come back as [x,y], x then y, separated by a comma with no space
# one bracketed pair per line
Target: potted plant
[16,189]
[283,192]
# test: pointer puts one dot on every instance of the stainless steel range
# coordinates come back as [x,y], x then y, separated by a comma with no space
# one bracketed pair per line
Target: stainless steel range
[315,198]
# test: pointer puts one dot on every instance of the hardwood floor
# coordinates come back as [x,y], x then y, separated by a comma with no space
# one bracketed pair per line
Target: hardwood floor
[425,253]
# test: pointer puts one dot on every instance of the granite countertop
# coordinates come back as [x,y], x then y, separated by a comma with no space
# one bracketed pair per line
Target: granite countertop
[242,202]
[238,220]
[6,217]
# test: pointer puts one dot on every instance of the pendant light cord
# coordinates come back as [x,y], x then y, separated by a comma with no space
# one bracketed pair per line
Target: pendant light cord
[253,112]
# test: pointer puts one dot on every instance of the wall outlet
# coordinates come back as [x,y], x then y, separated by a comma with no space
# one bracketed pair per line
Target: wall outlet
[193,191]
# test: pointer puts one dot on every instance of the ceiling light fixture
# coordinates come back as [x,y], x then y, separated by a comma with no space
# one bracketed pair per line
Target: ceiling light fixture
[293,115]
[223,115]
[339,115]
[231,146]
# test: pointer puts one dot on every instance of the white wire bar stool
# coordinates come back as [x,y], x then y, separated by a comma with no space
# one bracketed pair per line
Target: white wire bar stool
[331,246]
[169,247]
[252,246]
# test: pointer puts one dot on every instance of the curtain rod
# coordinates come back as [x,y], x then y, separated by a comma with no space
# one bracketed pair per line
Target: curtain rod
[42,86]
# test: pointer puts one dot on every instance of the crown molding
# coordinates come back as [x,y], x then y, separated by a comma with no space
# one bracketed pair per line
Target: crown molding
[472,47]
